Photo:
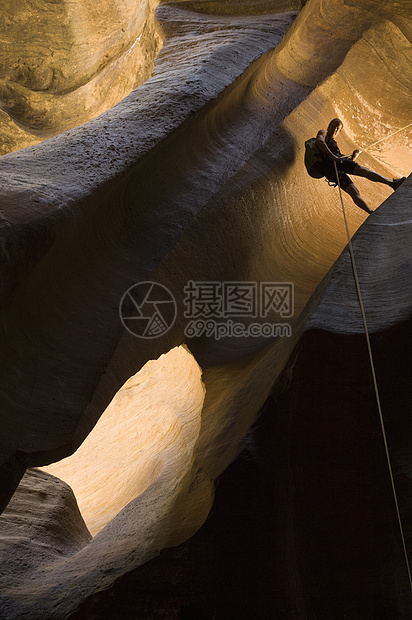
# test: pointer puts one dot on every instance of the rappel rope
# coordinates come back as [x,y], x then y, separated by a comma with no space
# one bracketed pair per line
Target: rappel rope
[375,384]
[385,138]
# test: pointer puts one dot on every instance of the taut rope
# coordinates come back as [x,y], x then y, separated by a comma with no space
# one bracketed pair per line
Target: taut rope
[375,383]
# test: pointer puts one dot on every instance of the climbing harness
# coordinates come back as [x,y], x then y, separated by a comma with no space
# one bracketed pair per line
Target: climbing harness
[375,384]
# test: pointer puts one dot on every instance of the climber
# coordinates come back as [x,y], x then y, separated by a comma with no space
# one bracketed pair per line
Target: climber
[329,153]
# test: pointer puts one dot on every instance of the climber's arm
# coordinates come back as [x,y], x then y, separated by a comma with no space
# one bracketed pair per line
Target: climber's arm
[323,147]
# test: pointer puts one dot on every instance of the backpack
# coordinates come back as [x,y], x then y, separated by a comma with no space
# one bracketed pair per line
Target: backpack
[312,156]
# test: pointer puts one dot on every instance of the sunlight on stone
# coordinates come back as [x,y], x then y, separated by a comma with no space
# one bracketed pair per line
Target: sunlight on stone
[156,409]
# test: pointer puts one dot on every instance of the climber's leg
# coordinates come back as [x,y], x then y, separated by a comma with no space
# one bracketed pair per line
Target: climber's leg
[361,171]
[353,192]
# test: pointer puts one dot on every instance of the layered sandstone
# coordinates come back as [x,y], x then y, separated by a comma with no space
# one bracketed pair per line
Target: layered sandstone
[63,63]
[196,175]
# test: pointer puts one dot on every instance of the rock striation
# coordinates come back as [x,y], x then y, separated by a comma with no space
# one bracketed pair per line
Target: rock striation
[64,63]
[195,175]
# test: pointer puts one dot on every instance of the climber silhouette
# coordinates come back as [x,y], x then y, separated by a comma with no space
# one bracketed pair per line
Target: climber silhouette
[326,143]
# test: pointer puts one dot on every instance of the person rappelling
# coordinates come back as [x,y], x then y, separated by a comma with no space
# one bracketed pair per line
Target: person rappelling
[321,155]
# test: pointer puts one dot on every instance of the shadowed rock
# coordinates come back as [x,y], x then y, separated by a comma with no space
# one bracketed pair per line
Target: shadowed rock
[196,175]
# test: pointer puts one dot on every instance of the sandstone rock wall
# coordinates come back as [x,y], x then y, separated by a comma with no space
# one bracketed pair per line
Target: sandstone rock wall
[64,63]
[196,175]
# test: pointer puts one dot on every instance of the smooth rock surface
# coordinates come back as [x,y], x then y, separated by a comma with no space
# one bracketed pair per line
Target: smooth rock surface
[304,522]
[63,63]
[196,175]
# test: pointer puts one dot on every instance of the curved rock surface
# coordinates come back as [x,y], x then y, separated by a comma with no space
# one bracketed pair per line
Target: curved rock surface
[63,63]
[196,175]
[162,422]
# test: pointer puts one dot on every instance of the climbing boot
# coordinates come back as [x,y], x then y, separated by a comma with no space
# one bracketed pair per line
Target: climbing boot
[397,183]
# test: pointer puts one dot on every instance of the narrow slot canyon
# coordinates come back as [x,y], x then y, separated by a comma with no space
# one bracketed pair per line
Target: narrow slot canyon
[202,473]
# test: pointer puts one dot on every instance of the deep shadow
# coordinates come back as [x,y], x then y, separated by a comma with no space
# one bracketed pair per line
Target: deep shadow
[303,524]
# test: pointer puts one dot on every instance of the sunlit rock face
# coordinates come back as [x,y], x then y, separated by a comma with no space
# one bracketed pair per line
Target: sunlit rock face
[159,411]
[196,175]
[63,63]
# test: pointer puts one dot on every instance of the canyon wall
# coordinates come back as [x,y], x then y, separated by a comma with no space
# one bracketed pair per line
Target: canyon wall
[196,175]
